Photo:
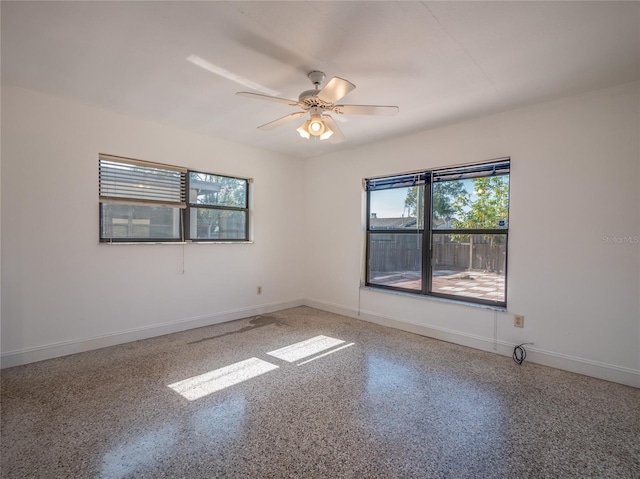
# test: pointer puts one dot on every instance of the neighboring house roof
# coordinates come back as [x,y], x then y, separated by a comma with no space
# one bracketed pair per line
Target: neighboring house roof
[392,223]
[406,222]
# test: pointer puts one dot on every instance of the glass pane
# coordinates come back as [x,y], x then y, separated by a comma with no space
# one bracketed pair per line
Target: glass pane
[397,208]
[476,203]
[206,189]
[473,266]
[395,260]
[217,224]
[137,222]
[122,180]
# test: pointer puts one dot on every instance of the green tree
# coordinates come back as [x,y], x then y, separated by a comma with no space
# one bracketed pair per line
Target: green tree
[411,201]
[487,210]
[448,198]
[222,191]
[490,206]
[414,204]
[451,201]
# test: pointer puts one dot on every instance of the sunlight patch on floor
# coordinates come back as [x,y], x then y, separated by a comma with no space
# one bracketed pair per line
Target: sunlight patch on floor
[207,383]
[306,348]
[326,354]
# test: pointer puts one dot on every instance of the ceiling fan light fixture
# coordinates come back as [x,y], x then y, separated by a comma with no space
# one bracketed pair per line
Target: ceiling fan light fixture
[327,133]
[303,130]
[316,125]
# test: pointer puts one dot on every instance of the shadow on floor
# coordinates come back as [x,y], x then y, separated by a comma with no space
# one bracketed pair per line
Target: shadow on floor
[254,323]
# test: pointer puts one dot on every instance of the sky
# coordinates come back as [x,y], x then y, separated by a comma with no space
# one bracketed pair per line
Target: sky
[390,203]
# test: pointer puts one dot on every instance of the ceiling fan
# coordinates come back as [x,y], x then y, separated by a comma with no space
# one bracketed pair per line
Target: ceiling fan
[317,103]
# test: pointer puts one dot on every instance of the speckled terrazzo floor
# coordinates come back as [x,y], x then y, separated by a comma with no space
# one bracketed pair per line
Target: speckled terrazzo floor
[381,403]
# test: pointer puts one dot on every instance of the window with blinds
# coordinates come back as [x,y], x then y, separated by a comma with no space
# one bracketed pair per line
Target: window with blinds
[441,232]
[148,202]
[140,201]
[131,181]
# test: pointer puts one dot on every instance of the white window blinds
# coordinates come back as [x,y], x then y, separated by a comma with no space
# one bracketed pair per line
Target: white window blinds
[123,180]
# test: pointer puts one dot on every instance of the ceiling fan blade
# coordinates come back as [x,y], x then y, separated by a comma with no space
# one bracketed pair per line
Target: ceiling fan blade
[337,136]
[379,110]
[281,121]
[335,90]
[275,99]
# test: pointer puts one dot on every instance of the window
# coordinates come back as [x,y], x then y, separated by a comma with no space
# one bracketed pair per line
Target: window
[147,202]
[218,207]
[441,233]
[140,201]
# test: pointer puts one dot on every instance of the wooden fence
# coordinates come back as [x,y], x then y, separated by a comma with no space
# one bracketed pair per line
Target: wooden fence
[394,253]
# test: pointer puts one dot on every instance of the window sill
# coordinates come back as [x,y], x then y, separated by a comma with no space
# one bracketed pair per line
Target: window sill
[172,242]
[434,298]
[114,243]
[221,242]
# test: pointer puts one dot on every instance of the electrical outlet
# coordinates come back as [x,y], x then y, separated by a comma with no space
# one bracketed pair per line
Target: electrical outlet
[518,321]
[259,290]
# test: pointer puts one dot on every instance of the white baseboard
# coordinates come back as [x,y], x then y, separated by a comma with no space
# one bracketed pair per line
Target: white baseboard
[609,372]
[587,367]
[55,350]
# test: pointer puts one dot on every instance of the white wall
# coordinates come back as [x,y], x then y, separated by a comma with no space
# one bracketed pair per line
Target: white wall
[575,179]
[64,292]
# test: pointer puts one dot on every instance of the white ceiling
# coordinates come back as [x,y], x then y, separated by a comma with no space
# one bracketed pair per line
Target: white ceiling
[438,61]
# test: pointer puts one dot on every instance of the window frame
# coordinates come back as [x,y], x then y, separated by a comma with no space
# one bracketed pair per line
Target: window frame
[190,205]
[109,192]
[428,232]
[422,231]
[140,240]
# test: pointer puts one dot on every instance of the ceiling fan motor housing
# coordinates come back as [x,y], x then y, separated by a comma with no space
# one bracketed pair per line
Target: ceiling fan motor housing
[310,100]
[309,97]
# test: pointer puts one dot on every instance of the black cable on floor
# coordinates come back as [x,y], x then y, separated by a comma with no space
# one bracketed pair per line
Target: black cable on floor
[519,353]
